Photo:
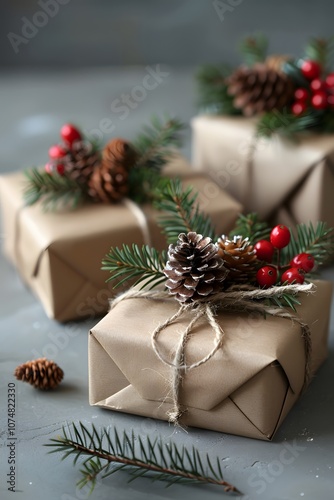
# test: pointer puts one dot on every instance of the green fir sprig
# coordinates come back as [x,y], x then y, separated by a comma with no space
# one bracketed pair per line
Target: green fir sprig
[317,240]
[144,265]
[56,191]
[213,90]
[285,123]
[249,226]
[108,452]
[156,144]
[254,49]
[322,51]
[181,212]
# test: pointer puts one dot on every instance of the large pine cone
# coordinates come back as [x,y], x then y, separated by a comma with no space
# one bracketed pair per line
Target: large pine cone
[41,373]
[81,161]
[194,269]
[259,89]
[109,182]
[239,258]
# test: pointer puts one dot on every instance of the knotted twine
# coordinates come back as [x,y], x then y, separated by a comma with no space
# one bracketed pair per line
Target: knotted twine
[236,298]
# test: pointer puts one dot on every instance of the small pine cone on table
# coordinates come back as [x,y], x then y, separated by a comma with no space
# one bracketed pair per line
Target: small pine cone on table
[109,182]
[239,258]
[41,373]
[194,269]
[81,161]
[260,89]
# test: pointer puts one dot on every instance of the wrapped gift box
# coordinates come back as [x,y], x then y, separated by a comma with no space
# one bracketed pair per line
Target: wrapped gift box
[289,181]
[59,254]
[246,388]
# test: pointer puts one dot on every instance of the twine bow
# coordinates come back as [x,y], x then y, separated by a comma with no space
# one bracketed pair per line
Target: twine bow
[241,299]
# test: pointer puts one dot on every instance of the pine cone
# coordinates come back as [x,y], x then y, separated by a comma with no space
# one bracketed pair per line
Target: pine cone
[260,89]
[239,258]
[81,161]
[194,269]
[109,182]
[41,373]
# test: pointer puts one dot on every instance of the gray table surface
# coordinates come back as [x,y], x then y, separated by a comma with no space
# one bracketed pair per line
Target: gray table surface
[33,107]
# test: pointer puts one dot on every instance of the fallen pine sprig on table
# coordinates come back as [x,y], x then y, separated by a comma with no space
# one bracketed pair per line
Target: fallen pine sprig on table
[108,452]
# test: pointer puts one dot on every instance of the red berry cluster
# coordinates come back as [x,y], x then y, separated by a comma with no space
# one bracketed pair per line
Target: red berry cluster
[320,92]
[270,274]
[69,135]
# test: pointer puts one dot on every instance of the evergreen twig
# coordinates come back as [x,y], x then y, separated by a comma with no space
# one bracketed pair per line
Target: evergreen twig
[182,212]
[54,190]
[254,49]
[108,452]
[317,240]
[156,143]
[285,123]
[142,264]
[322,51]
[249,226]
[212,88]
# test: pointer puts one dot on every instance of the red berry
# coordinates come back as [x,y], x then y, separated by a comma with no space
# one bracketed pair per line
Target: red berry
[48,168]
[304,261]
[310,69]
[60,169]
[292,275]
[298,108]
[69,133]
[301,94]
[330,100]
[319,100]
[330,80]
[280,236]
[317,85]
[264,250]
[266,276]
[56,152]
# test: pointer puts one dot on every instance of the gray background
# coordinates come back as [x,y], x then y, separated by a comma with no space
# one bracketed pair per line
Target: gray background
[185,32]
[52,80]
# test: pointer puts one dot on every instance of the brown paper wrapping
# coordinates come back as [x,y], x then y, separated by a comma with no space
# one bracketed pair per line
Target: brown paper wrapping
[247,388]
[59,254]
[289,182]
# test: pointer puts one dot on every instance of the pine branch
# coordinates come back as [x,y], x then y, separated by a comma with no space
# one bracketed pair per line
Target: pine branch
[322,51]
[213,90]
[317,240]
[54,190]
[285,123]
[108,453]
[156,144]
[254,49]
[144,265]
[182,212]
[249,226]
[285,300]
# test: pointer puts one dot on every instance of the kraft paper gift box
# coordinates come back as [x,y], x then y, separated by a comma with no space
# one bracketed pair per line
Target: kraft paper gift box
[248,386]
[289,181]
[59,254]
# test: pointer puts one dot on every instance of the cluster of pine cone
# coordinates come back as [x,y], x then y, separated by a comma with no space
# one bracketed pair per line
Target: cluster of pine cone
[103,176]
[197,268]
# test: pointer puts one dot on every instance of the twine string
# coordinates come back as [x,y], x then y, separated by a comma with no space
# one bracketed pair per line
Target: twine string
[239,299]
